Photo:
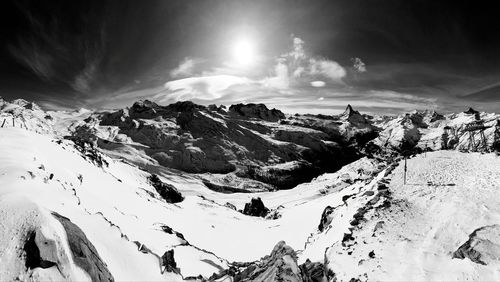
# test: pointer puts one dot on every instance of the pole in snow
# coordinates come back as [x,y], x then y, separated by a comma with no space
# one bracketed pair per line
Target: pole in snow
[405,172]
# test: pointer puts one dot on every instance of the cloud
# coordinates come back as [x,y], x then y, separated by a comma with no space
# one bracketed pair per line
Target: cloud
[326,68]
[186,68]
[297,82]
[201,88]
[358,65]
[31,55]
[298,68]
[82,81]
[318,83]
[52,52]
[281,80]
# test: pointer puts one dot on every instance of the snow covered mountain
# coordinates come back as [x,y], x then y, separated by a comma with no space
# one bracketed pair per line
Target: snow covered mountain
[187,192]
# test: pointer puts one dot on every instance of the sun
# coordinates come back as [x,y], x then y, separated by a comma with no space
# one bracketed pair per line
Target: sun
[243,51]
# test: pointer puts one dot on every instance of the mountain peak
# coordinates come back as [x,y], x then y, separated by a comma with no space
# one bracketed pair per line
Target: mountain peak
[471,111]
[349,111]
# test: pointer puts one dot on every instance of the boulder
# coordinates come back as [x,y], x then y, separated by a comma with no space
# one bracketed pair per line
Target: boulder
[326,219]
[168,262]
[255,208]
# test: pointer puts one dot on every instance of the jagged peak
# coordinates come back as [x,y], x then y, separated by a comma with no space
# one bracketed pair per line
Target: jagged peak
[349,111]
[471,111]
[260,111]
[25,104]
[144,104]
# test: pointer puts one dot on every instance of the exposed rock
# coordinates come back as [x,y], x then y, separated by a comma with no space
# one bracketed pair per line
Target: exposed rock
[168,192]
[169,230]
[483,246]
[235,182]
[229,205]
[274,213]
[259,111]
[168,262]
[353,116]
[471,111]
[255,208]
[220,109]
[349,112]
[326,219]
[197,139]
[223,188]
[313,271]
[285,175]
[280,265]
[84,253]
[33,258]
[88,151]
[435,117]
[142,248]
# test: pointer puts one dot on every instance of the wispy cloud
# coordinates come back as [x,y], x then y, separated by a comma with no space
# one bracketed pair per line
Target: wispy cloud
[358,65]
[297,82]
[186,68]
[202,88]
[52,52]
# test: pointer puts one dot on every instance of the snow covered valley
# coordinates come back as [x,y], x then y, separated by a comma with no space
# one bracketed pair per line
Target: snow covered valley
[71,211]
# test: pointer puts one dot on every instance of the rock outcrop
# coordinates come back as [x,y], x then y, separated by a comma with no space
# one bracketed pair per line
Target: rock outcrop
[255,208]
[281,265]
[313,271]
[326,219]
[483,246]
[32,251]
[84,253]
[168,262]
[168,192]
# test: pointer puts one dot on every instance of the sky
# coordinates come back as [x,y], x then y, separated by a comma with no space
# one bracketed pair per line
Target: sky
[381,56]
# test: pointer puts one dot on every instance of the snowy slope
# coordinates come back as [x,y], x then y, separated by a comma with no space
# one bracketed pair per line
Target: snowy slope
[448,195]
[360,222]
[114,207]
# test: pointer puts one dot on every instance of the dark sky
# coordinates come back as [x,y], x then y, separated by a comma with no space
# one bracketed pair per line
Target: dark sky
[441,54]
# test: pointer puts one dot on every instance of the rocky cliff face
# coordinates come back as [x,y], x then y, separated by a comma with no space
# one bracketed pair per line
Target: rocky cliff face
[247,140]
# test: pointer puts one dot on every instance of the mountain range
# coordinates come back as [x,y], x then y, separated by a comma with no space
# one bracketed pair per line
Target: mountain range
[247,193]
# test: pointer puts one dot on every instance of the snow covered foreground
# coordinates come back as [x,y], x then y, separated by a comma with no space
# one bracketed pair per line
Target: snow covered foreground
[376,229]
